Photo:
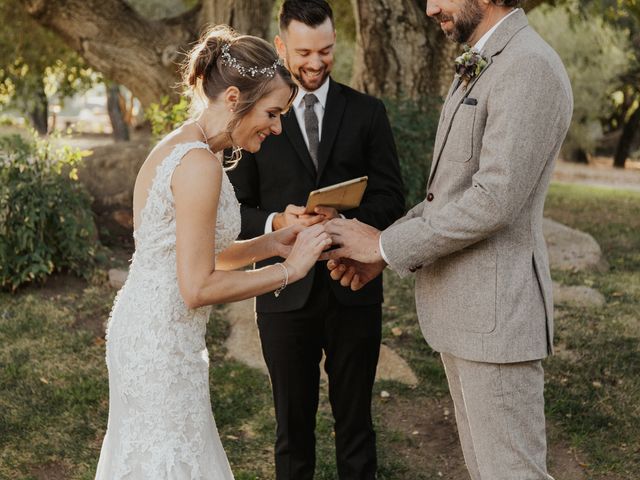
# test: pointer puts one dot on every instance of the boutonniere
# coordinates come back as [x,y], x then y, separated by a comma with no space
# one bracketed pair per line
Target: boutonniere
[469,65]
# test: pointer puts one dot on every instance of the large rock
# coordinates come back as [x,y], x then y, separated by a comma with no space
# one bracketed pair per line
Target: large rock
[110,174]
[577,296]
[117,278]
[243,344]
[571,249]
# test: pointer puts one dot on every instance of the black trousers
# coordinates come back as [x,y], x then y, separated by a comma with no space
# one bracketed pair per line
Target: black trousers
[292,345]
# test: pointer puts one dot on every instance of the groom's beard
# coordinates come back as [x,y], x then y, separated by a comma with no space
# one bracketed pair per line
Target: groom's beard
[463,27]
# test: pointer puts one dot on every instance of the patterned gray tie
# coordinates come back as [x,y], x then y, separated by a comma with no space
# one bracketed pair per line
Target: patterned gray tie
[311,126]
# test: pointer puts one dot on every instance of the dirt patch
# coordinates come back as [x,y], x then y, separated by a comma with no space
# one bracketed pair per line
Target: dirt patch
[430,440]
[50,471]
[86,301]
[600,172]
[56,285]
[429,428]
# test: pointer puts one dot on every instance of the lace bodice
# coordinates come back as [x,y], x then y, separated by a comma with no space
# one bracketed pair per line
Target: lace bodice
[157,226]
[160,420]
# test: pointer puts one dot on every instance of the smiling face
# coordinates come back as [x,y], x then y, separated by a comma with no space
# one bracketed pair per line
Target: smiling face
[458,19]
[263,119]
[308,52]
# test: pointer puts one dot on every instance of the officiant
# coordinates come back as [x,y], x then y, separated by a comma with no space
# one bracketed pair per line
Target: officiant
[331,134]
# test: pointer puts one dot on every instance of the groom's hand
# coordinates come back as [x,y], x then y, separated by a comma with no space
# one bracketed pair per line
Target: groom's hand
[352,274]
[295,215]
[356,240]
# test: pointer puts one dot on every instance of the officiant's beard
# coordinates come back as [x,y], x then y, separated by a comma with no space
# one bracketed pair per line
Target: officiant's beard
[468,19]
[309,84]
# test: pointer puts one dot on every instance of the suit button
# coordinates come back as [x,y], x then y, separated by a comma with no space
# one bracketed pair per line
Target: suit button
[414,269]
[430,197]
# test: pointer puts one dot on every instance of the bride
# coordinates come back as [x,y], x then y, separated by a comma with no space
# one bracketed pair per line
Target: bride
[186,218]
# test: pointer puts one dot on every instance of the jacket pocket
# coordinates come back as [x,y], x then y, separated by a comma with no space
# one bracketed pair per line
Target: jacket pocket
[463,287]
[459,146]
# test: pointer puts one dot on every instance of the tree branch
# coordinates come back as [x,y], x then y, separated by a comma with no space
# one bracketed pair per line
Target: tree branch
[118,42]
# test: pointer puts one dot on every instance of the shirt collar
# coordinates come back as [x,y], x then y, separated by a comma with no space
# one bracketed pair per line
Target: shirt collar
[321,93]
[483,40]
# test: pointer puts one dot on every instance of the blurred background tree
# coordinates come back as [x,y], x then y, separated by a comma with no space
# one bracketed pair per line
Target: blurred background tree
[36,66]
[596,55]
[624,15]
[136,44]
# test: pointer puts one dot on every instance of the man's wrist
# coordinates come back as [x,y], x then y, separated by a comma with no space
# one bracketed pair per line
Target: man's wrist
[276,222]
[268,226]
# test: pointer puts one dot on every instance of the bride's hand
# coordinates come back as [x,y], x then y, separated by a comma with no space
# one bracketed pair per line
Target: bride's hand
[281,241]
[309,244]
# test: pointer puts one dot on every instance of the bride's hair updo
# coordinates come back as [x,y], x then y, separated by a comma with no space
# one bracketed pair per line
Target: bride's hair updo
[222,58]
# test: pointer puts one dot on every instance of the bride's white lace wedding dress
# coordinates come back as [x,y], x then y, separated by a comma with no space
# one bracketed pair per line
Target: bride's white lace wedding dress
[160,421]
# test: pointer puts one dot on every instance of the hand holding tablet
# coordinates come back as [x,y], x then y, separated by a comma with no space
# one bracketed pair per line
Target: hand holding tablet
[341,196]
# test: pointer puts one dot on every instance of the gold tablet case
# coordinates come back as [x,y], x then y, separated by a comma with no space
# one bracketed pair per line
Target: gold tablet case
[341,196]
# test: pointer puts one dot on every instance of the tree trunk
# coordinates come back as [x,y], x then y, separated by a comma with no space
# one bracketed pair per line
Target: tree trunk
[578,155]
[399,51]
[248,16]
[39,111]
[629,132]
[142,54]
[116,115]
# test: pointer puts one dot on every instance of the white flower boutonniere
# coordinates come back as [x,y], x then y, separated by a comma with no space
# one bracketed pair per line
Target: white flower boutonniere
[469,65]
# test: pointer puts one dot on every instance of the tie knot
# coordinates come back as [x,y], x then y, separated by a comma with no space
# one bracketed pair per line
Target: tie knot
[310,100]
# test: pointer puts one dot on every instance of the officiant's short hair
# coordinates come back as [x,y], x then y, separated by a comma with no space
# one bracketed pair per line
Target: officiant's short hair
[508,3]
[310,12]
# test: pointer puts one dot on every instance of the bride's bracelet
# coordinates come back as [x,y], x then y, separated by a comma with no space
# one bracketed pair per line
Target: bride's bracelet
[285,280]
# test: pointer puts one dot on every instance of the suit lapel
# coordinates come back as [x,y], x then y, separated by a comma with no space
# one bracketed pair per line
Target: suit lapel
[292,131]
[334,109]
[496,43]
[449,112]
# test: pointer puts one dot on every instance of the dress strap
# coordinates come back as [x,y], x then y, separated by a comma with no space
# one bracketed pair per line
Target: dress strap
[174,159]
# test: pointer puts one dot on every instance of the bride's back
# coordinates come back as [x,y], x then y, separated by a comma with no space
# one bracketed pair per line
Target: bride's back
[147,173]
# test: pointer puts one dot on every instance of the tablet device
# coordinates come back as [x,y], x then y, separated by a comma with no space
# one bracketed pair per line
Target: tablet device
[341,196]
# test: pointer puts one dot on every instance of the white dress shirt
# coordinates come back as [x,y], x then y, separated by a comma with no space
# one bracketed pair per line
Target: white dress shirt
[298,107]
[479,45]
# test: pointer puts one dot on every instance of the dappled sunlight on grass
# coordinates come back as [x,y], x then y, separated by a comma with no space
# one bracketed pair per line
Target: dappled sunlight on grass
[594,392]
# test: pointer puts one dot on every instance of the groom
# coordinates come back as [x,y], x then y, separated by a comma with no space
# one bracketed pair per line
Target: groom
[483,288]
[331,134]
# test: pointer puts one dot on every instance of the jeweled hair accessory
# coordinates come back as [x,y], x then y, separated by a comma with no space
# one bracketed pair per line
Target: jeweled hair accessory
[249,72]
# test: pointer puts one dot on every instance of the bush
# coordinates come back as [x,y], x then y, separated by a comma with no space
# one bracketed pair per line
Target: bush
[166,117]
[414,125]
[46,223]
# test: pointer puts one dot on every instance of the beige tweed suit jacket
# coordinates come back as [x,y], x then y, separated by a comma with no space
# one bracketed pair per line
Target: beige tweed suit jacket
[483,287]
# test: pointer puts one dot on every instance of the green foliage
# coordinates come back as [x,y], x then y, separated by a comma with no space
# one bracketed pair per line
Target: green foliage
[595,54]
[166,117]
[46,223]
[414,125]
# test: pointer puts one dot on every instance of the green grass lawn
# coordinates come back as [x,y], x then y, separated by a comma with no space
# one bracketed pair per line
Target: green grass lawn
[593,385]
[53,380]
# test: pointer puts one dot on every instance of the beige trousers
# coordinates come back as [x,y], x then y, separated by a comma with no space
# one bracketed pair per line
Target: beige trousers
[500,416]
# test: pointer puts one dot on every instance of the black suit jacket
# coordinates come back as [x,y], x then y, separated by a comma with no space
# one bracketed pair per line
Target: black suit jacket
[356,141]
